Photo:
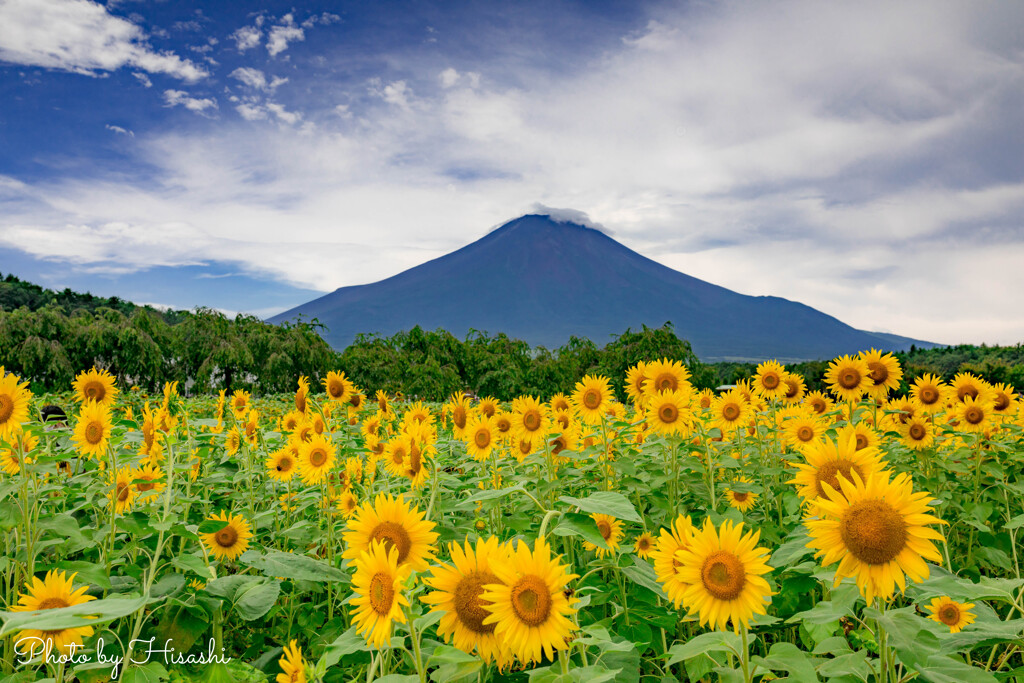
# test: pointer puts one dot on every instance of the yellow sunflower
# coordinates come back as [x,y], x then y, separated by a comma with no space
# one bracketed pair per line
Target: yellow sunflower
[302,395]
[802,430]
[704,399]
[488,406]
[395,523]
[669,412]
[54,592]
[929,392]
[283,463]
[567,440]
[480,437]
[92,432]
[339,387]
[529,419]
[457,593]
[95,385]
[965,385]
[293,666]
[523,449]
[644,545]
[1004,400]
[459,409]
[795,388]
[383,401]
[848,378]
[418,412]
[819,402]
[666,565]
[503,426]
[560,402]
[768,380]
[729,411]
[953,614]
[636,378]
[395,452]
[231,540]
[12,458]
[122,491]
[528,605]
[863,435]
[918,433]
[828,462]
[884,371]
[377,587]
[973,415]
[743,500]
[591,397]
[148,480]
[414,466]
[240,403]
[666,375]
[316,459]
[347,503]
[723,570]
[610,530]
[877,530]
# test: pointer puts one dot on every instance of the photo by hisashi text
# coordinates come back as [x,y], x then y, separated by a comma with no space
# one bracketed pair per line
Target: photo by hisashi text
[143,652]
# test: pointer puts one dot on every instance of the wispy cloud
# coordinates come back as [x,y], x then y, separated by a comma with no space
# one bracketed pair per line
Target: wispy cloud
[119,130]
[199,105]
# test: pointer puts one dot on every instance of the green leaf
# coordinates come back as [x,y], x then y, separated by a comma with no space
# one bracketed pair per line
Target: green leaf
[575,524]
[791,659]
[211,526]
[715,641]
[91,613]
[491,494]
[607,503]
[152,672]
[642,573]
[251,596]
[793,549]
[452,664]
[291,566]
[347,643]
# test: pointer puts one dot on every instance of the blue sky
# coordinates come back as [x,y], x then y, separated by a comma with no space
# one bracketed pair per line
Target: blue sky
[863,158]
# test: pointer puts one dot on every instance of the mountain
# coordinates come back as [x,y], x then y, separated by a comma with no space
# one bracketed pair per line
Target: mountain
[543,281]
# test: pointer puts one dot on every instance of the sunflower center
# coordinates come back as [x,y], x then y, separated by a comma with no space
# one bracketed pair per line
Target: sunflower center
[382,593]
[124,491]
[723,575]
[1002,402]
[805,433]
[668,413]
[644,543]
[666,382]
[949,615]
[874,531]
[147,486]
[974,415]
[792,389]
[525,446]
[94,432]
[592,399]
[605,528]
[415,462]
[818,405]
[459,417]
[740,496]
[531,600]
[95,391]
[770,381]
[862,442]
[849,378]
[482,438]
[878,372]
[917,431]
[226,537]
[830,472]
[393,535]
[928,395]
[468,603]
[563,420]
[531,420]
[317,457]
[284,465]
[300,401]
[558,445]
[336,389]
[6,407]
[503,425]
[53,603]
[967,390]
[378,448]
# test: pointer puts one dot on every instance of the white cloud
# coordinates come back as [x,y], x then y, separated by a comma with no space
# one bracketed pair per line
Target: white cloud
[247,37]
[82,37]
[256,79]
[198,105]
[143,79]
[119,130]
[282,34]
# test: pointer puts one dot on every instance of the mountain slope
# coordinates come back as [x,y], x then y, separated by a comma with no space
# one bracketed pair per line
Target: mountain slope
[542,281]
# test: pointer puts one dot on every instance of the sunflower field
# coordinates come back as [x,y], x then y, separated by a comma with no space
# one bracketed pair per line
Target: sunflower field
[762,532]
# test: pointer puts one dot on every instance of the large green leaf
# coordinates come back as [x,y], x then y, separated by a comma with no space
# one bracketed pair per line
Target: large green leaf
[290,566]
[91,613]
[250,596]
[607,503]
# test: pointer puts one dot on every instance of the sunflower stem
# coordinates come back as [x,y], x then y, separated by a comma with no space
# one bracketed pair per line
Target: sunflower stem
[544,522]
[415,638]
[745,657]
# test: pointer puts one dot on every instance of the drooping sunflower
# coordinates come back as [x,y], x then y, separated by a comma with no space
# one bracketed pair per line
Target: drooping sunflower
[480,437]
[724,570]
[819,402]
[918,433]
[11,459]
[148,480]
[414,467]
[122,491]
[233,440]
[283,463]
[768,380]
[666,375]
[742,499]
[302,395]
[529,419]
[878,530]
[929,392]
[644,545]
[636,378]
[293,666]
[730,411]
[795,388]
[54,592]
[802,430]
[591,397]
[92,432]
[666,565]
[528,605]
[95,385]
[316,459]
[338,386]
[973,415]
[848,378]
[231,540]
[459,409]
[669,412]
[458,590]
[884,371]
[828,462]
[610,530]
[377,585]
[395,523]
[953,614]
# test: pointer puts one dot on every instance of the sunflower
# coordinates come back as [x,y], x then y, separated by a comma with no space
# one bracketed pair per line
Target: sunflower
[377,587]
[347,503]
[884,371]
[293,666]
[240,403]
[283,463]
[878,530]
[12,458]
[383,401]
[918,433]
[292,420]
[829,462]
[354,469]
[819,402]
[92,432]
[666,375]
[644,545]
[418,412]
[666,565]
[54,592]
[802,430]
[231,540]
[741,500]
[953,614]
[768,381]
[487,406]
[848,378]
[122,491]
[636,377]
[529,419]
[973,415]
[668,412]
[396,450]
[560,402]
[233,440]
[1004,400]
[704,399]
[502,426]
[316,459]
[395,523]
[528,605]
[591,397]
[339,387]
[524,448]
[567,440]
[795,388]
[966,385]
[900,411]
[457,593]
[95,385]
[480,437]
[723,571]
[147,480]
[459,409]
[729,411]
[302,394]
[610,530]
[413,467]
